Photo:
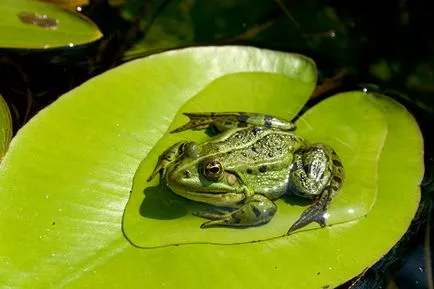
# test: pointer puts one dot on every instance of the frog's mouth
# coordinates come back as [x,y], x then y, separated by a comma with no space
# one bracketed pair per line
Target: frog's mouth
[197,188]
[220,199]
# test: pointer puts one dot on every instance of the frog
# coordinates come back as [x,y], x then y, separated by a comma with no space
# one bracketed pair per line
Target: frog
[252,160]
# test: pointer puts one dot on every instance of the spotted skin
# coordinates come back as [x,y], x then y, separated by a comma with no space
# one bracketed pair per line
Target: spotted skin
[254,160]
[324,191]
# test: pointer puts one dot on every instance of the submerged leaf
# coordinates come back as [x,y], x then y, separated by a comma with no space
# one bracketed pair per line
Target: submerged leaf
[152,218]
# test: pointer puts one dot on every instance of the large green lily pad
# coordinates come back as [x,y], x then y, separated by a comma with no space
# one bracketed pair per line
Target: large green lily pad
[32,24]
[67,176]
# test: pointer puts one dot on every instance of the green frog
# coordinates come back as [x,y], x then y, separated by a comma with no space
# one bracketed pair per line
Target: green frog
[251,161]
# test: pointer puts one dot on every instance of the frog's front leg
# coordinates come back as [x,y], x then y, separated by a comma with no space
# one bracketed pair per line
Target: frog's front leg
[222,121]
[317,173]
[256,210]
[166,158]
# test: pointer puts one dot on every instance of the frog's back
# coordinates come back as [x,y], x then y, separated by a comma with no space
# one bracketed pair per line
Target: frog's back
[261,157]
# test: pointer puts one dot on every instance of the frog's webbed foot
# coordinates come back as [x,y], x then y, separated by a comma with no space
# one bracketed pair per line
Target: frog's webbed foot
[256,210]
[317,173]
[222,121]
[315,213]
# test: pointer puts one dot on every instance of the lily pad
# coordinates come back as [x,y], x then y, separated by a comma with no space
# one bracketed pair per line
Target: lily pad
[68,4]
[31,24]
[67,176]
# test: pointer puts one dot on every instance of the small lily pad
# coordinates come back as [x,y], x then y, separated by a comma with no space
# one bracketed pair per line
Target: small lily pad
[32,24]
[68,4]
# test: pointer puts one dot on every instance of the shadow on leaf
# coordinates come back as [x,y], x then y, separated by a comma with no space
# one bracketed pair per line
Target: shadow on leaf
[162,204]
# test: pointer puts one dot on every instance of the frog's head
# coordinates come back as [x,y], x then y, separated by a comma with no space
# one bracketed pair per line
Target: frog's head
[205,179]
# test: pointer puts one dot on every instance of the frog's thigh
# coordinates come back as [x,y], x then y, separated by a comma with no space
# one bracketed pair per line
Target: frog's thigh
[256,210]
[311,170]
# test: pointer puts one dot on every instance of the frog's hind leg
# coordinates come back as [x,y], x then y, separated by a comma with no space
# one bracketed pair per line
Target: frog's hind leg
[222,121]
[256,210]
[317,172]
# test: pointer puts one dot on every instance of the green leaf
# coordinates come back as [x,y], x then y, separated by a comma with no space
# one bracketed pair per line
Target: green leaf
[5,127]
[67,176]
[152,218]
[31,24]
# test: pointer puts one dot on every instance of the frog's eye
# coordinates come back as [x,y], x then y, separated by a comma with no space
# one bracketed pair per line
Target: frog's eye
[213,170]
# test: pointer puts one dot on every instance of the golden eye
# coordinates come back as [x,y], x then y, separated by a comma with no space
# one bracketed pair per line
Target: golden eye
[213,170]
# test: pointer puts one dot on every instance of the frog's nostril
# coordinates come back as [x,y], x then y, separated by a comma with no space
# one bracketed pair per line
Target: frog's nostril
[187,174]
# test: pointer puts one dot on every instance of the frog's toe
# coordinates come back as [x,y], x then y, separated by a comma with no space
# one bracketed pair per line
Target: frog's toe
[217,219]
[216,215]
[312,214]
[227,220]
[216,223]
